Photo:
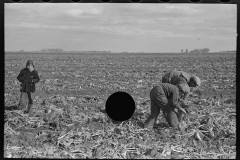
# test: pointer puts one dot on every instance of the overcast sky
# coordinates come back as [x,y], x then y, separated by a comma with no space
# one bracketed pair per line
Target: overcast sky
[120,27]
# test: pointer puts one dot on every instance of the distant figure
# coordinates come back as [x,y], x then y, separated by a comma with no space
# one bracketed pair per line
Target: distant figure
[183,79]
[165,96]
[28,78]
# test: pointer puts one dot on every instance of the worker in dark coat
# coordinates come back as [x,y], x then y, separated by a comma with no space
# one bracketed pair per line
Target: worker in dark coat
[28,78]
[165,97]
[183,79]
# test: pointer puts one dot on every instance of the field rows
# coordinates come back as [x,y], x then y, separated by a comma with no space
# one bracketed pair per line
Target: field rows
[69,120]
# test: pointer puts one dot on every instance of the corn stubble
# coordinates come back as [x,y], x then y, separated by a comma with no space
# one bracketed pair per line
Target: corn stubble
[75,126]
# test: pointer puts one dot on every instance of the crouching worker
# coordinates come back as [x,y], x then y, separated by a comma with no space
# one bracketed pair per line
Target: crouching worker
[183,78]
[28,78]
[165,96]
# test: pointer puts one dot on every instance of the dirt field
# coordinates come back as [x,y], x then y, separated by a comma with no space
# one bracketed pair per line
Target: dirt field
[69,120]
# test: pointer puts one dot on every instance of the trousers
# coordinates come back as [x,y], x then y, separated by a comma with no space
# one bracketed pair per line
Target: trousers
[160,102]
[30,101]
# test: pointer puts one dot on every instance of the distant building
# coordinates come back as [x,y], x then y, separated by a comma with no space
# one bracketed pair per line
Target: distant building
[95,51]
[229,51]
[204,50]
[52,50]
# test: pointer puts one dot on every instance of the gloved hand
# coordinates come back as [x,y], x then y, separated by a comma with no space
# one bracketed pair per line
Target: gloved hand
[183,110]
[179,108]
[184,104]
[187,103]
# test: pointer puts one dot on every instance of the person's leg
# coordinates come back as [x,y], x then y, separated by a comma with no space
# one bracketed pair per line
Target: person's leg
[172,119]
[158,100]
[165,114]
[20,100]
[30,103]
[170,116]
[155,110]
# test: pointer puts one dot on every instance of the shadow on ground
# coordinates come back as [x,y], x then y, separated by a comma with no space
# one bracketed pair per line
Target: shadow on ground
[10,108]
[161,125]
[102,111]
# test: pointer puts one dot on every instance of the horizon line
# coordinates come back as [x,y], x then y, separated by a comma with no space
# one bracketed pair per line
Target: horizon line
[22,51]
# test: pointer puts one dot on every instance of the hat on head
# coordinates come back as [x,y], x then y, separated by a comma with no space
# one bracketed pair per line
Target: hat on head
[29,62]
[196,80]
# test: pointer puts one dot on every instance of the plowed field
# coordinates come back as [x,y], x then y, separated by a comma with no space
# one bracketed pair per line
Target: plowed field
[69,119]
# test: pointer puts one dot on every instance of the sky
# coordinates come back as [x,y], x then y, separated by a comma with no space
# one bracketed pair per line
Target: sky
[120,27]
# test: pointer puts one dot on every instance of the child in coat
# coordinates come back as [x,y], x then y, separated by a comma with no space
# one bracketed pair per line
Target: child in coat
[28,77]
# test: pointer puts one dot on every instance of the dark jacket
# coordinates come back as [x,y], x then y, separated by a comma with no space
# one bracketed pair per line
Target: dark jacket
[28,80]
[178,78]
[171,92]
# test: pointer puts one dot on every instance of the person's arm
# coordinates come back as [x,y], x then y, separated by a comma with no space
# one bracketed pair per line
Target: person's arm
[175,99]
[185,88]
[20,77]
[186,95]
[36,78]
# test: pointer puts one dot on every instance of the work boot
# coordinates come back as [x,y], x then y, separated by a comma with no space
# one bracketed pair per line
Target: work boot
[29,109]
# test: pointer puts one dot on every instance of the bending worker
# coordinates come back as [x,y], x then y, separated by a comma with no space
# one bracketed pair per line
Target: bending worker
[166,97]
[183,79]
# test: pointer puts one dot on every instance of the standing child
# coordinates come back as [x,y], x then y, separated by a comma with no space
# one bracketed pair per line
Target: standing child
[28,78]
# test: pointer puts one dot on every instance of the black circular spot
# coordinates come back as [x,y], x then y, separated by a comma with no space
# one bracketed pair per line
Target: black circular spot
[120,106]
